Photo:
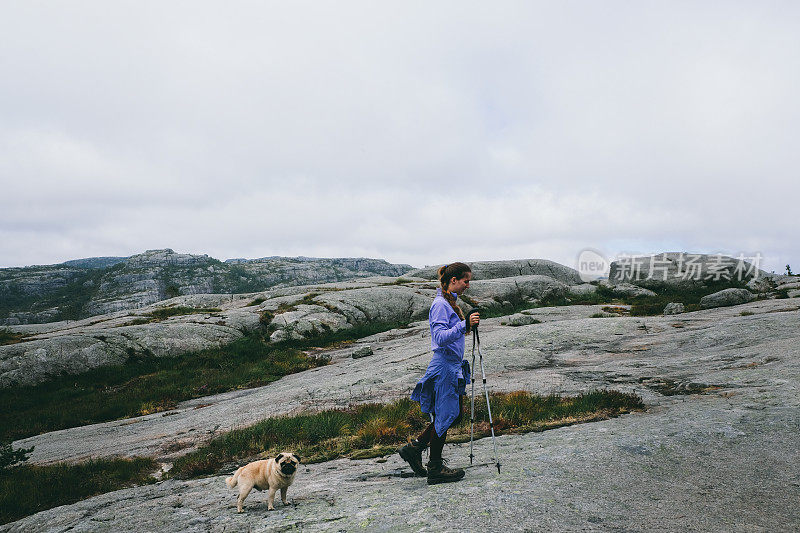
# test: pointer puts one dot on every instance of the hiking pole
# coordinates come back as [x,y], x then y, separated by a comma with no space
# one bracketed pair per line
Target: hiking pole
[472,399]
[477,340]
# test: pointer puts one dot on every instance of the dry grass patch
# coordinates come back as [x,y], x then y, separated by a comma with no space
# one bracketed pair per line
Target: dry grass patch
[10,337]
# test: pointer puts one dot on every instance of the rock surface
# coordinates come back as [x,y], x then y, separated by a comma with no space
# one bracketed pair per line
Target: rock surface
[726,297]
[715,450]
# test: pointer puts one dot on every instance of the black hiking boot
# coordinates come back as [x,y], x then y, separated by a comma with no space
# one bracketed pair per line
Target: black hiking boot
[439,473]
[412,454]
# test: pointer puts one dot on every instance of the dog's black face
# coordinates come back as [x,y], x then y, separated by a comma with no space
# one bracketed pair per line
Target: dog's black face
[287,463]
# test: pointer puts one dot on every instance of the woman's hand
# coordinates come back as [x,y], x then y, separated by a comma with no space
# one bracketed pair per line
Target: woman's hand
[474,319]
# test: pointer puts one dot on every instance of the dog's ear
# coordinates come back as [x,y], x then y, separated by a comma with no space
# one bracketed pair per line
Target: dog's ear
[296,457]
[280,455]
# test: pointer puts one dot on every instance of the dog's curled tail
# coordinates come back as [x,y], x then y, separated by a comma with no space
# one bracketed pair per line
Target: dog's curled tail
[234,479]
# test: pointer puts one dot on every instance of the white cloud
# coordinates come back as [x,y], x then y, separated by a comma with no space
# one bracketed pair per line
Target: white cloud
[356,128]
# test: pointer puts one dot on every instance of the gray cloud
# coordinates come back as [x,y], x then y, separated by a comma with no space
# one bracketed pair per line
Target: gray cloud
[416,132]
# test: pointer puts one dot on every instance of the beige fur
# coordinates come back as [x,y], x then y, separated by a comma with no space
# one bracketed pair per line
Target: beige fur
[263,475]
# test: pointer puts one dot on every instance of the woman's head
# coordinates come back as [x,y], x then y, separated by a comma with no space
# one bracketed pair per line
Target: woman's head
[455,277]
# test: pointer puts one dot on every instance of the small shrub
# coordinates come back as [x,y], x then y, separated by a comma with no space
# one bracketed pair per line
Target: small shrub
[257,301]
[308,299]
[10,457]
[166,312]
[9,337]
[158,406]
[139,321]
[745,313]
[172,291]
[265,318]
[647,309]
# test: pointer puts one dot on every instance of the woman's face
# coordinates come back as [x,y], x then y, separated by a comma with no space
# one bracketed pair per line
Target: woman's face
[458,286]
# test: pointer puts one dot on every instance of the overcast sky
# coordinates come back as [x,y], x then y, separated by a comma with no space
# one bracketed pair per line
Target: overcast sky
[417,132]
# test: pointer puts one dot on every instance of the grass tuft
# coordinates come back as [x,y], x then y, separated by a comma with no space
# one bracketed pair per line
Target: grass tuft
[28,489]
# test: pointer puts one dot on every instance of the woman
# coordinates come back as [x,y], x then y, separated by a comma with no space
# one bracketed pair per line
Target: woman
[440,389]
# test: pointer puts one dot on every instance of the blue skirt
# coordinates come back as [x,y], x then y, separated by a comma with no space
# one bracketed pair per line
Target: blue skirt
[439,389]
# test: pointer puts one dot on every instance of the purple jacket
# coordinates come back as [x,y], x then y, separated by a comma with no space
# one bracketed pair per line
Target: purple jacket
[448,374]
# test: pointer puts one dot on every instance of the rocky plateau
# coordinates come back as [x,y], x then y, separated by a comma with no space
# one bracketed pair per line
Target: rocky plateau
[715,449]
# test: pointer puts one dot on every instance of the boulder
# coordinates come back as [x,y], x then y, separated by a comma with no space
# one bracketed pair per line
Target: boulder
[307,321]
[364,351]
[681,269]
[627,290]
[584,289]
[761,284]
[519,319]
[506,291]
[79,350]
[483,270]
[726,297]
[674,308]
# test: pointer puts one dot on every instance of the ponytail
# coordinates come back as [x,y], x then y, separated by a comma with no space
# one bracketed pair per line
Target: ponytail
[448,272]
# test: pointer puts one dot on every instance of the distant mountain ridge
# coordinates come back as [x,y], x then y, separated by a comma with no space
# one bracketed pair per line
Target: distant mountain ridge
[95,262]
[92,286]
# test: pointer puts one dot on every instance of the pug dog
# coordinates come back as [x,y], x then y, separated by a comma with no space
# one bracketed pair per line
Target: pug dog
[273,474]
